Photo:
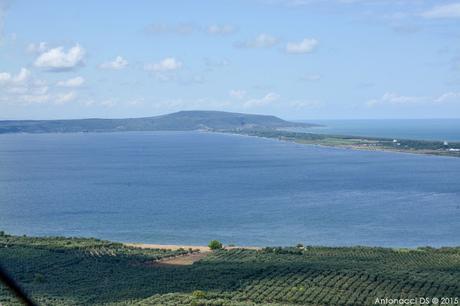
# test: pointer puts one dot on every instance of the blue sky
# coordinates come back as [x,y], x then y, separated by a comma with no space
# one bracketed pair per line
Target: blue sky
[298,59]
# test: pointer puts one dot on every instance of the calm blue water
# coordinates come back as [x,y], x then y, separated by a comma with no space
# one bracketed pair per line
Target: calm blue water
[191,187]
[425,129]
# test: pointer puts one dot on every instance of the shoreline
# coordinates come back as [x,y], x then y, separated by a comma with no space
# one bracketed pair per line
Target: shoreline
[174,247]
[206,249]
[352,147]
[141,245]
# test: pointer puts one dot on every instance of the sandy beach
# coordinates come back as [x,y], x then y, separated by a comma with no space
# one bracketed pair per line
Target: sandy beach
[168,246]
[202,248]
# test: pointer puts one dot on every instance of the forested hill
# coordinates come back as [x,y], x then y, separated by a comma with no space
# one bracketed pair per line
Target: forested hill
[180,121]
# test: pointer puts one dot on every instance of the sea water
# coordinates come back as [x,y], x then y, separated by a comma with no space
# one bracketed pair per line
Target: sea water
[191,187]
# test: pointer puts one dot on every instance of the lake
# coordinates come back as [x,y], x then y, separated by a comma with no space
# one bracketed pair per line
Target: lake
[191,187]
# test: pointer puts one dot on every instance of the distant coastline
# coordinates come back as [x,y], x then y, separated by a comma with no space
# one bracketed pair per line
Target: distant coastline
[412,146]
[447,129]
[236,123]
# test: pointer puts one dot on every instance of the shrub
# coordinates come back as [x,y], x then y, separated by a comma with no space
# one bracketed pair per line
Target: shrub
[199,294]
[215,245]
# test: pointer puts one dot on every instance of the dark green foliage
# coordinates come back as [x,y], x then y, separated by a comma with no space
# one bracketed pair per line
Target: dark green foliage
[215,245]
[94,272]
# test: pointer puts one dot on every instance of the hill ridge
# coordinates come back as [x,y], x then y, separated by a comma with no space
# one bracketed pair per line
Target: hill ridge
[177,121]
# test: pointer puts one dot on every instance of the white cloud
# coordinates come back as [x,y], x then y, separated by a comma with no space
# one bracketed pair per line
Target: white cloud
[396,99]
[237,93]
[23,88]
[448,97]
[22,76]
[37,47]
[65,97]
[451,10]
[14,80]
[307,45]
[4,77]
[166,65]
[262,40]
[117,64]
[220,29]
[57,59]
[265,100]
[73,82]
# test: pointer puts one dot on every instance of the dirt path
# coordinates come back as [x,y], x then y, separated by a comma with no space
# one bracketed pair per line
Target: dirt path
[181,260]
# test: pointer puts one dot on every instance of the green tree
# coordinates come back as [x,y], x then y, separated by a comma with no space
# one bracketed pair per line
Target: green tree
[215,245]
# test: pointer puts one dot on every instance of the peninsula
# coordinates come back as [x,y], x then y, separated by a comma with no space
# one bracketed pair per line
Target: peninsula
[235,123]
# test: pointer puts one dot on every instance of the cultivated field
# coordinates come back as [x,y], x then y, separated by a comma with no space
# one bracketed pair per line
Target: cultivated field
[73,271]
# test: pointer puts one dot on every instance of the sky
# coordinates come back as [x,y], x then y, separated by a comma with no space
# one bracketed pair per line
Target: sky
[297,59]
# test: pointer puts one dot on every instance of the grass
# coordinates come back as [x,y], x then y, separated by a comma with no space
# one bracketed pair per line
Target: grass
[360,143]
[75,271]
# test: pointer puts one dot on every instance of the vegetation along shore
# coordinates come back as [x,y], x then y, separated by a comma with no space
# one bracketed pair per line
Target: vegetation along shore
[236,123]
[83,271]
[430,147]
